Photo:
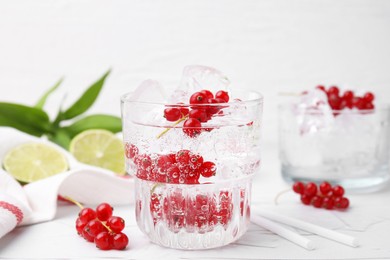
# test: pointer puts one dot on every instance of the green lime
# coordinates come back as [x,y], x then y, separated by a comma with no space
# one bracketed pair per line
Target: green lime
[34,161]
[99,148]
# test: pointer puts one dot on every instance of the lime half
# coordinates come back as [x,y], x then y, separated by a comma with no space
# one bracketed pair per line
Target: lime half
[34,161]
[99,148]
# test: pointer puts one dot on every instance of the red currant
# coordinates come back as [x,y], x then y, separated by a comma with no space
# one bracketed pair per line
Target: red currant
[333,90]
[192,127]
[207,93]
[316,201]
[299,187]
[222,95]
[87,214]
[131,150]
[369,97]
[119,241]
[341,202]
[208,169]
[104,211]
[325,188]
[80,226]
[94,227]
[183,110]
[172,114]
[306,199]
[198,114]
[328,203]
[311,189]
[348,95]
[198,98]
[116,224]
[102,241]
[369,106]
[338,191]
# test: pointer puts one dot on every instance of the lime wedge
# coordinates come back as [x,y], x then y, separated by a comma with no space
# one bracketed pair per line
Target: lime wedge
[99,148]
[34,161]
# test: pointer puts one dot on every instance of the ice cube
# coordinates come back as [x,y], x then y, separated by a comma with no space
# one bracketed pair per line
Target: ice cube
[313,112]
[196,78]
[149,91]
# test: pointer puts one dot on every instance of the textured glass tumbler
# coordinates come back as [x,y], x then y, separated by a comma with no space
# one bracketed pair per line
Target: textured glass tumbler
[350,148]
[179,204]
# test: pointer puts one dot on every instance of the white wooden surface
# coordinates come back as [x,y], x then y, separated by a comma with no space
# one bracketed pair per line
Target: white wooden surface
[271,46]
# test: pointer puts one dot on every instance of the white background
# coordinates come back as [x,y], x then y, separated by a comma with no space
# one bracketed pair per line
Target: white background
[272,46]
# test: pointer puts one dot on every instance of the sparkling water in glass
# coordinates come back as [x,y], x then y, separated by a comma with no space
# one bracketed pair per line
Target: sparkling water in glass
[176,206]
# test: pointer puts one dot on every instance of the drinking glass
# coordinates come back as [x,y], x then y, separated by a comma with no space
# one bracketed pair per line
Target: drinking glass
[346,147]
[193,184]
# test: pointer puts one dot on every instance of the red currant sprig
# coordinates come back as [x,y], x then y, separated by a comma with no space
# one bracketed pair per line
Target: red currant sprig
[101,227]
[198,113]
[347,99]
[324,196]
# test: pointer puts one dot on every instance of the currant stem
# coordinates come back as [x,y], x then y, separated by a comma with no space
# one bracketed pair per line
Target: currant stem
[280,194]
[74,202]
[174,124]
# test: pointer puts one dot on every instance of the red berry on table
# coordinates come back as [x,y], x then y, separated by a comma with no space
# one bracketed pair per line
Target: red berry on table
[325,188]
[208,169]
[119,241]
[87,214]
[306,199]
[359,103]
[102,241]
[328,203]
[334,101]
[369,106]
[299,187]
[338,191]
[198,98]
[86,235]
[116,224]
[207,93]
[104,211]
[192,127]
[172,114]
[348,95]
[369,97]
[94,227]
[311,189]
[341,202]
[316,201]
[222,95]
[80,226]
[333,90]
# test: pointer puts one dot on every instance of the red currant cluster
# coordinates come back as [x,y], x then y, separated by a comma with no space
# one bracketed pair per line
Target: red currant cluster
[199,112]
[324,196]
[183,167]
[102,228]
[348,99]
[200,213]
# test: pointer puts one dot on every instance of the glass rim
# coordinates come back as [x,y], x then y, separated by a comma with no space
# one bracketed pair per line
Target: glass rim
[380,107]
[126,98]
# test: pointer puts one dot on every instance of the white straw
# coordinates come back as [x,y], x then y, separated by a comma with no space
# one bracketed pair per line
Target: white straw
[283,232]
[327,233]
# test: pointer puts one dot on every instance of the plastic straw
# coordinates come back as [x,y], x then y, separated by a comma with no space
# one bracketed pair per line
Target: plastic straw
[283,232]
[327,233]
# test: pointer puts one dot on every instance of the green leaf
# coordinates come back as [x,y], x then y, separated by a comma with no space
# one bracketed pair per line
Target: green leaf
[107,122]
[30,120]
[86,100]
[61,137]
[41,102]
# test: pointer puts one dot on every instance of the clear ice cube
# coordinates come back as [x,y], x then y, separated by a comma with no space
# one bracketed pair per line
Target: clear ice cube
[196,78]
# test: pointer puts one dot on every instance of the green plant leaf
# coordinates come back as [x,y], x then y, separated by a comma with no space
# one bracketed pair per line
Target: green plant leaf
[61,137]
[30,120]
[41,102]
[107,122]
[86,100]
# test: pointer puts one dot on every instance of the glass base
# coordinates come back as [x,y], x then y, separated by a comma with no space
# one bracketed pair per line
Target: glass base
[193,217]
[359,184]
